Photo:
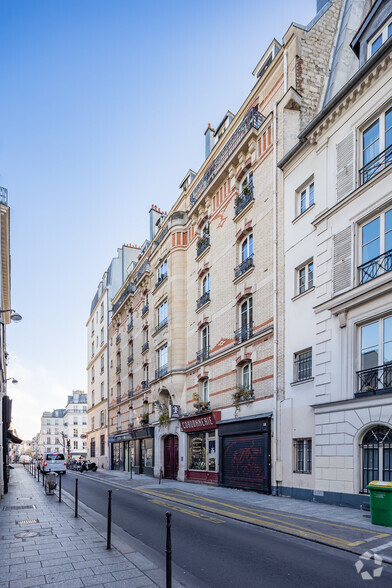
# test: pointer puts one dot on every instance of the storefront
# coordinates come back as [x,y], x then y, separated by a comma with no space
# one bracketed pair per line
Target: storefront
[245,453]
[202,447]
[134,449]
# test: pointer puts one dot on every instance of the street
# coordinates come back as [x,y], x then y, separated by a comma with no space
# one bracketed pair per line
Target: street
[221,551]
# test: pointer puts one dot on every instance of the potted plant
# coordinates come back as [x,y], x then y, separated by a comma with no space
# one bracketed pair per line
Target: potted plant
[144,418]
[371,388]
[196,400]
[242,394]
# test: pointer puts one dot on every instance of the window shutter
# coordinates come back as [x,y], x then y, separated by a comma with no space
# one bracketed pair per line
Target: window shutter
[345,167]
[342,260]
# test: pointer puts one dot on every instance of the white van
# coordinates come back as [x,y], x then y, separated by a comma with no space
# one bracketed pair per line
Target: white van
[54,463]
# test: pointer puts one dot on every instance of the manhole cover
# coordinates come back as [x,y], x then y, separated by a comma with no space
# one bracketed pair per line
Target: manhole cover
[19,507]
[25,534]
[27,522]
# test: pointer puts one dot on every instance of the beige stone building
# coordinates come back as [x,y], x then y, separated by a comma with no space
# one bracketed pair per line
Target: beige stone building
[196,371]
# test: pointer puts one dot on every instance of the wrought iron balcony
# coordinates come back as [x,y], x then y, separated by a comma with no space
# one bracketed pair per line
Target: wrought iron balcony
[375,267]
[130,289]
[118,368]
[202,244]
[244,198]
[118,399]
[377,380]
[202,406]
[161,279]
[243,267]
[160,372]
[145,309]
[252,120]
[118,339]
[130,358]
[159,239]
[130,326]
[244,333]
[144,269]
[161,324]
[204,298]
[145,346]
[130,393]
[203,354]
[145,385]
[376,165]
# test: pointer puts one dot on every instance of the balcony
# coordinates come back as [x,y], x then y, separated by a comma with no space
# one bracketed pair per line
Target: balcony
[161,371]
[160,325]
[203,354]
[202,244]
[244,333]
[118,369]
[243,199]
[130,393]
[130,358]
[243,267]
[375,267]
[144,269]
[145,347]
[377,380]
[252,120]
[376,165]
[118,339]
[204,298]
[161,279]
[145,385]
[145,309]
[130,326]
[130,289]
[118,399]
[102,369]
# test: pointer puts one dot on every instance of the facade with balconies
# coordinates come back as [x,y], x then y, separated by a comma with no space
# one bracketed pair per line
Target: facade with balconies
[338,239]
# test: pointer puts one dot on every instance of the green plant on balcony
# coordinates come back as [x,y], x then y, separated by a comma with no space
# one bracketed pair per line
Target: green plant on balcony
[144,418]
[163,410]
[241,395]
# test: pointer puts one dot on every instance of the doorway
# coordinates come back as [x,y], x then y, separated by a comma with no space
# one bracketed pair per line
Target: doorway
[171,457]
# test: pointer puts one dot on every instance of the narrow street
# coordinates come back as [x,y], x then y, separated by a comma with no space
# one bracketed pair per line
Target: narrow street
[221,551]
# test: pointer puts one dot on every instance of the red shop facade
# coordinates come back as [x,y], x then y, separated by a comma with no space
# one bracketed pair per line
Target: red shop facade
[202,447]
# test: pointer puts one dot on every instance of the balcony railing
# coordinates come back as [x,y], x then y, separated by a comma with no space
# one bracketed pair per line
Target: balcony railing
[130,393]
[130,326]
[130,289]
[161,324]
[118,369]
[130,358]
[377,380]
[376,165]
[202,244]
[161,236]
[161,278]
[145,385]
[161,371]
[203,354]
[145,346]
[375,267]
[204,298]
[144,268]
[243,267]
[118,399]
[118,339]
[145,309]
[244,333]
[244,198]
[252,120]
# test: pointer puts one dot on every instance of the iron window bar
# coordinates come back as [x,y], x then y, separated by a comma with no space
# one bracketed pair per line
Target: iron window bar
[204,298]
[303,366]
[244,198]
[375,380]
[130,289]
[202,244]
[243,267]
[161,371]
[377,164]
[203,354]
[244,333]
[375,267]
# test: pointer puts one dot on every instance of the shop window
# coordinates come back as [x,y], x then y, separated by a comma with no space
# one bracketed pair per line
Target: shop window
[376,456]
[303,456]
[202,451]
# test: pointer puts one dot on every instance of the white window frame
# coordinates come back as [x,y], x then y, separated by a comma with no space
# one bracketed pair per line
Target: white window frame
[305,277]
[205,338]
[205,284]
[162,313]
[305,443]
[162,271]
[205,386]
[380,118]
[304,197]
[246,375]
[297,357]
[381,237]
[246,181]
[383,31]
[246,245]
[162,357]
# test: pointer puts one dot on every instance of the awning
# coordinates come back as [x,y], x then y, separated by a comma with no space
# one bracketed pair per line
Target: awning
[13,438]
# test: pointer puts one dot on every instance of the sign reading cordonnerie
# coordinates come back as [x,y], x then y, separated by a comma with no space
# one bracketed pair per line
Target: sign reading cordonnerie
[198,423]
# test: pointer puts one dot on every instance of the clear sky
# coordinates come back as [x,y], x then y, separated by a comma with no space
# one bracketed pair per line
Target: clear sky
[103,106]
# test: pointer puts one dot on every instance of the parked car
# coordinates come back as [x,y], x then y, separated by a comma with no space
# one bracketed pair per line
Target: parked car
[54,463]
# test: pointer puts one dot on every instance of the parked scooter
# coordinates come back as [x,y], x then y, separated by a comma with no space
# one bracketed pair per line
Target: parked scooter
[88,466]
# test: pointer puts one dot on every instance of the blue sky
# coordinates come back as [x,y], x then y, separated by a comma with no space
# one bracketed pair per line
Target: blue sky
[103,106]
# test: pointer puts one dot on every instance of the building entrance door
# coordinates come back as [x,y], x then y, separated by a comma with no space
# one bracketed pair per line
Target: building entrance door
[171,457]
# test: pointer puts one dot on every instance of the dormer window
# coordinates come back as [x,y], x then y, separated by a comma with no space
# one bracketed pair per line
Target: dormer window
[379,38]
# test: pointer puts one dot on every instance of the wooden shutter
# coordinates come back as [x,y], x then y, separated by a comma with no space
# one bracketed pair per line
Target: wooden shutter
[342,260]
[345,166]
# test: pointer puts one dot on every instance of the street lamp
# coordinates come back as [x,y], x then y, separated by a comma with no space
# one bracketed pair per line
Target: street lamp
[13,380]
[15,317]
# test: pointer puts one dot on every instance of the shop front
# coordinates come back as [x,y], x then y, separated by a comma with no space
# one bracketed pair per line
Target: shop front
[202,447]
[133,450]
[245,453]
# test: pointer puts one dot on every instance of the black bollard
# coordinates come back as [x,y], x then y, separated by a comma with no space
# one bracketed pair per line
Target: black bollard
[168,551]
[43,477]
[60,476]
[35,471]
[109,530]
[38,473]
[76,497]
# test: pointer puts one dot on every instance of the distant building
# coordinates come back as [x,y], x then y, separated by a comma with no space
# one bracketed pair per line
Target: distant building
[75,424]
[52,434]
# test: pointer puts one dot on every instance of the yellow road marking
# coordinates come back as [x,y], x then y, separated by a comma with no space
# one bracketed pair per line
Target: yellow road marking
[186,511]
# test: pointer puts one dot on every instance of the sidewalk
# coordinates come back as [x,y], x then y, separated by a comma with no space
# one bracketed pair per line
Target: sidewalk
[41,542]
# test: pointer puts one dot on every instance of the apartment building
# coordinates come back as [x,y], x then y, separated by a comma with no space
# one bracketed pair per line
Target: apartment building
[75,424]
[336,423]
[196,370]
[97,354]
[52,437]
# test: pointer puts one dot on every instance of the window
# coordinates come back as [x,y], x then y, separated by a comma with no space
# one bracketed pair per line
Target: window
[162,314]
[84,408]
[92,327]
[102,364]
[92,349]
[247,248]
[92,423]
[102,420]
[118,421]
[146,374]
[205,284]
[246,376]
[130,384]
[102,312]
[206,390]
[75,445]
[205,344]
[75,420]
[102,336]
[376,244]
[303,365]
[379,38]
[162,362]
[102,443]
[162,271]
[102,390]
[75,433]
[130,416]
[376,146]
[84,444]
[202,453]
[48,440]
[376,356]
[92,374]
[303,456]
[305,198]
[56,422]
[305,277]
[376,456]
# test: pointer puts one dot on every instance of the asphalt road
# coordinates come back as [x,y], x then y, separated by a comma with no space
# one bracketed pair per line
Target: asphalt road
[221,552]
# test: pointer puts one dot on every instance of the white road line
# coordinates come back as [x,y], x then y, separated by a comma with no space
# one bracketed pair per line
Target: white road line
[382,547]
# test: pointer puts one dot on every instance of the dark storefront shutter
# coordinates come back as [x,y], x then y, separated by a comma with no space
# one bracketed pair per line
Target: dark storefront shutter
[246,462]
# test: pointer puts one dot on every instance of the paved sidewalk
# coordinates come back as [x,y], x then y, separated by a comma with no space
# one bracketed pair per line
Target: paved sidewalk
[61,550]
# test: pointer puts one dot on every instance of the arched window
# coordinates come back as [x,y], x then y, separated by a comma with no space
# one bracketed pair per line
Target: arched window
[376,455]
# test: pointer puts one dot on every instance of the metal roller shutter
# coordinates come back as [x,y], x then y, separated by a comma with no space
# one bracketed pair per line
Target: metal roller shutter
[245,462]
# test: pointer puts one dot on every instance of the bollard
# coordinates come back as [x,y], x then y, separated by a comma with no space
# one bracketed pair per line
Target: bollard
[109,529]
[168,551]
[160,476]
[76,497]
[38,473]
[35,471]
[43,477]
[60,476]
[131,469]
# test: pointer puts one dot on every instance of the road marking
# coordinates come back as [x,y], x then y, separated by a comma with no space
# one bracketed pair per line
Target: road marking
[382,547]
[185,510]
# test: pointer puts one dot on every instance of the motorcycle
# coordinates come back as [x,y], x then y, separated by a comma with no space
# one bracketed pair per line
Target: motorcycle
[88,466]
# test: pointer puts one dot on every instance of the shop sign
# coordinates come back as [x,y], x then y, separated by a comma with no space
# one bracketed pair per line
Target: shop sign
[174,411]
[198,423]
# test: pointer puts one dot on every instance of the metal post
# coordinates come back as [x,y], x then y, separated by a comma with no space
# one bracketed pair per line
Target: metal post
[38,473]
[43,477]
[76,497]
[168,551]
[131,469]
[35,471]
[109,530]
[60,476]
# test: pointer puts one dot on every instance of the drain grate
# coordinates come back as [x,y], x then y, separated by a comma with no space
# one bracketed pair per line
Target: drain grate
[24,498]
[19,507]
[27,522]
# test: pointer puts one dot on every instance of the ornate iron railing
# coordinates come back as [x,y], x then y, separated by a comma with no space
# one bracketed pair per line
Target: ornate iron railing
[161,371]
[145,309]
[203,354]
[144,268]
[244,333]
[244,198]
[161,278]
[375,380]
[371,169]
[130,358]
[252,120]
[204,298]
[375,267]
[145,385]
[130,326]
[243,266]
[118,369]
[145,346]
[130,392]
[130,289]
[161,325]
[118,339]
[161,236]
[202,244]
